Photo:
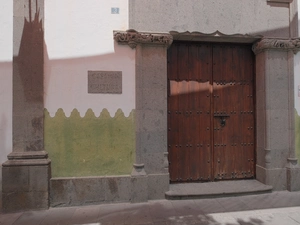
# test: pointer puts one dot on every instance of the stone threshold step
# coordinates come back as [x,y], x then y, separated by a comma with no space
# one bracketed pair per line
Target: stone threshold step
[216,189]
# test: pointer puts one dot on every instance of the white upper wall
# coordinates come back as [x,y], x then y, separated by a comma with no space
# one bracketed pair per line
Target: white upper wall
[6,28]
[77,28]
[6,42]
[79,38]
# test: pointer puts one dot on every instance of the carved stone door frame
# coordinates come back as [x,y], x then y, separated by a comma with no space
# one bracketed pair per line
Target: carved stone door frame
[276,161]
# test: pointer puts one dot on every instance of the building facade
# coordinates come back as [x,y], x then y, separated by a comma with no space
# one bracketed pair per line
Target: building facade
[112,102]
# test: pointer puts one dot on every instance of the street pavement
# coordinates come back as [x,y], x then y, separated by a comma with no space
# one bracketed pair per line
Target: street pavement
[277,208]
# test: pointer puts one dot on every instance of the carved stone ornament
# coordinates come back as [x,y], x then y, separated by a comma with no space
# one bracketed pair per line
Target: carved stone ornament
[280,1]
[132,38]
[278,44]
[216,36]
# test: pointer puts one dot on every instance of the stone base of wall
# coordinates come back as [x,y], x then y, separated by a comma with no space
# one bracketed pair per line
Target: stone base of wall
[158,185]
[107,189]
[293,178]
[280,178]
[25,184]
[276,177]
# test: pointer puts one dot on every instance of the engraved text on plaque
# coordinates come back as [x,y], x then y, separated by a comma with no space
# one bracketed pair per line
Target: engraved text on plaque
[107,82]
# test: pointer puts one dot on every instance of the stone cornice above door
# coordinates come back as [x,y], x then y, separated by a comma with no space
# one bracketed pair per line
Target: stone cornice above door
[132,38]
[216,36]
[280,1]
[277,44]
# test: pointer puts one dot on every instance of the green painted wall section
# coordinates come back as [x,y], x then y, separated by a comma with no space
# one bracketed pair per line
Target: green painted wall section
[90,145]
[297,134]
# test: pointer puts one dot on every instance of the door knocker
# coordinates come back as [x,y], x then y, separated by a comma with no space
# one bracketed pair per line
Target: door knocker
[222,118]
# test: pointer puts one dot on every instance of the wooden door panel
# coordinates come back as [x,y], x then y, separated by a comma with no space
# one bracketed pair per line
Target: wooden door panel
[205,82]
[234,142]
[188,112]
[173,128]
[221,67]
[183,107]
[248,115]
[200,78]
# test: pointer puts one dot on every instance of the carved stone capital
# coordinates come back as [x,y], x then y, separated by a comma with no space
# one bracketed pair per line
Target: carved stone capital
[133,38]
[277,44]
[280,1]
[138,170]
[293,163]
[268,157]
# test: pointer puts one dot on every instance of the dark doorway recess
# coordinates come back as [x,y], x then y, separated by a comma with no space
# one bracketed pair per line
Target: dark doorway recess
[211,112]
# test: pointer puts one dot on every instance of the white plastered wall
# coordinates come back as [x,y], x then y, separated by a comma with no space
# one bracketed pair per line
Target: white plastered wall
[6,32]
[79,38]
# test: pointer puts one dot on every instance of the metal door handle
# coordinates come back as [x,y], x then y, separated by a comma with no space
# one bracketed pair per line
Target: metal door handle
[222,119]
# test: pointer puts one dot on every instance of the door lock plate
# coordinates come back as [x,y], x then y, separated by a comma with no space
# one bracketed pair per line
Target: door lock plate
[222,118]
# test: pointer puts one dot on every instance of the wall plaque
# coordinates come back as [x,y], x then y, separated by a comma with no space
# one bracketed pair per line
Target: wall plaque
[106,82]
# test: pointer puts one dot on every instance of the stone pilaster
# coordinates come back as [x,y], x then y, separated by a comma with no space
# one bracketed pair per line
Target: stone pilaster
[150,170]
[294,19]
[276,162]
[26,174]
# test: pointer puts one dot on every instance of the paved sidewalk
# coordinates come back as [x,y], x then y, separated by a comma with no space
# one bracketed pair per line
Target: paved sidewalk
[282,208]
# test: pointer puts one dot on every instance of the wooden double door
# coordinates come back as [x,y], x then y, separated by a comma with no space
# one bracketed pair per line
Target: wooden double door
[211,116]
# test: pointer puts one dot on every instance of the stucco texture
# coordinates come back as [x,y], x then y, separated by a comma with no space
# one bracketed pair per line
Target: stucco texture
[90,146]
[227,16]
[297,134]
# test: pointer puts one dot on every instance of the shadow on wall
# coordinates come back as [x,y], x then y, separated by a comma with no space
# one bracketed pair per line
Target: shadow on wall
[213,219]
[193,213]
[66,83]
[5,110]
[3,129]
[28,88]
[29,61]
[5,149]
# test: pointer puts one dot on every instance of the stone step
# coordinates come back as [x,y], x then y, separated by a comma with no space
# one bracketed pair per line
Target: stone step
[216,189]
